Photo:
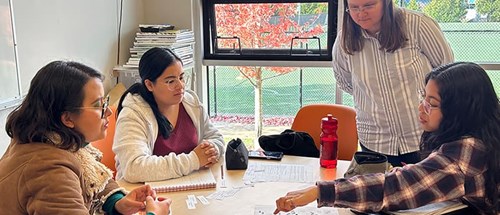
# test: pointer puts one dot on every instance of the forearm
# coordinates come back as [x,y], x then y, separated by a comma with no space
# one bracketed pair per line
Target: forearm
[363,193]
[340,70]
[154,168]
[109,204]
[326,193]
[212,135]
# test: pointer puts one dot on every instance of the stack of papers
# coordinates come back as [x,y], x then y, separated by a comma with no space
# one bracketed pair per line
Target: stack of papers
[180,41]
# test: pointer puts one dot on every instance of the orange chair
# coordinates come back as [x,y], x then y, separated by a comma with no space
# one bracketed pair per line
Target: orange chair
[309,117]
[105,145]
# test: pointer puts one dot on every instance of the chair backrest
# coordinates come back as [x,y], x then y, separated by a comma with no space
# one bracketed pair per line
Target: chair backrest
[105,145]
[309,117]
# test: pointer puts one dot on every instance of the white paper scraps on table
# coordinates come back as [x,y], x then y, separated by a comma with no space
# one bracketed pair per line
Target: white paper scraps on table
[190,204]
[259,172]
[222,194]
[307,210]
[192,198]
[203,200]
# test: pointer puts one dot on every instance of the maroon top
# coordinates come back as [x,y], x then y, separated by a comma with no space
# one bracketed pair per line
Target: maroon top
[183,139]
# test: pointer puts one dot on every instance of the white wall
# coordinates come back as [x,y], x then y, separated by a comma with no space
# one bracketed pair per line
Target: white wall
[176,12]
[79,30]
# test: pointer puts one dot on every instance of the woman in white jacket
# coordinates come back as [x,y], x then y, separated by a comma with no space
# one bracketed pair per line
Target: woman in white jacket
[162,130]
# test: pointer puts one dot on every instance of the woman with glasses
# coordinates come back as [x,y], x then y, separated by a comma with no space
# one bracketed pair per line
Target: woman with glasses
[460,116]
[380,57]
[162,129]
[50,167]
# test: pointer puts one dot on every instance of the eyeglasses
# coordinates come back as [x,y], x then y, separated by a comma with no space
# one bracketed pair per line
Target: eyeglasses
[173,83]
[356,10]
[103,105]
[426,105]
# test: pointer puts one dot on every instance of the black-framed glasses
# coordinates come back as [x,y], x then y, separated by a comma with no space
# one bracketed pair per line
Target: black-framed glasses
[425,104]
[104,104]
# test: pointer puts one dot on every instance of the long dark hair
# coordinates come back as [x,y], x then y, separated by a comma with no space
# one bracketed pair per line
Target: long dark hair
[55,87]
[152,64]
[392,35]
[470,107]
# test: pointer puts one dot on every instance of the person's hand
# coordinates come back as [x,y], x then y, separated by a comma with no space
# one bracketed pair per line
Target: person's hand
[200,152]
[133,202]
[211,152]
[207,154]
[160,207]
[296,199]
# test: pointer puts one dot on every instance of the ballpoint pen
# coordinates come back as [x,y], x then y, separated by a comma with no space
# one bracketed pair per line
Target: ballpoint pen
[223,181]
[222,171]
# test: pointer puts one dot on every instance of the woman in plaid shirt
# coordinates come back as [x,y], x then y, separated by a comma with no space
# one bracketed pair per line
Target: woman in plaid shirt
[460,115]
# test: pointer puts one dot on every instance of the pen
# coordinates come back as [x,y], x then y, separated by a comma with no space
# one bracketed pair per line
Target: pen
[222,171]
[222,181]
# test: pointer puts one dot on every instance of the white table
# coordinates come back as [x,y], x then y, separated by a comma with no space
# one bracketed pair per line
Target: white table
[245,200]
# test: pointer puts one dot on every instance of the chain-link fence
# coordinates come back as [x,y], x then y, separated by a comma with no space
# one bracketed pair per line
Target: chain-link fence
[282,95]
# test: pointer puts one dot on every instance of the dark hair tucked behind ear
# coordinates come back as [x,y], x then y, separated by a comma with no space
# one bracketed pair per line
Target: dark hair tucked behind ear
[152,64]
[55,87]
[470,107]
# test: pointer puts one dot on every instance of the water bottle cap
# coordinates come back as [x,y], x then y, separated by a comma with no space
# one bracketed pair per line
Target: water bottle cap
[329,120]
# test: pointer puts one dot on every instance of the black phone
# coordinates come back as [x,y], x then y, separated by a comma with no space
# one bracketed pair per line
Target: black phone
[269,155]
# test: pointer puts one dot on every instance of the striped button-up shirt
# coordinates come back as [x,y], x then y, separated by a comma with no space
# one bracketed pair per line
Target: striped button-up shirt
[384,85]
[456,170]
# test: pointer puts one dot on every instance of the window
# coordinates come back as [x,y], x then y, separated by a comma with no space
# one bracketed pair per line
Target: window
[283,30]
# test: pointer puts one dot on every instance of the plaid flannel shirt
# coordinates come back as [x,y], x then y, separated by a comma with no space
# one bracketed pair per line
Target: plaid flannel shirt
[456,170]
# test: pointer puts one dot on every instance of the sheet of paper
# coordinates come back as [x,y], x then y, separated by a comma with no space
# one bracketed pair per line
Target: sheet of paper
[269,209]
[259,172]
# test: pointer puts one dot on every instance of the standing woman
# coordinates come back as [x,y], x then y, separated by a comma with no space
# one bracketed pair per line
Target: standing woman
[162,129]
[49,166]
[380,57]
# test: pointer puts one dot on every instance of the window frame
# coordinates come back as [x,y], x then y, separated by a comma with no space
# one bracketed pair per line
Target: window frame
[209,35]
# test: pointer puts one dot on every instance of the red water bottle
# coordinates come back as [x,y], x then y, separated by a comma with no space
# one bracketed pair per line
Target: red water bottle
[329,142]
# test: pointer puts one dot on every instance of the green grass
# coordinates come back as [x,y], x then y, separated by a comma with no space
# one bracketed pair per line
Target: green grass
[281,95]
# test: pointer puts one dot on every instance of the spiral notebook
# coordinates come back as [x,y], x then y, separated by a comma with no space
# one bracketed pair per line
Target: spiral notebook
[201,179]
